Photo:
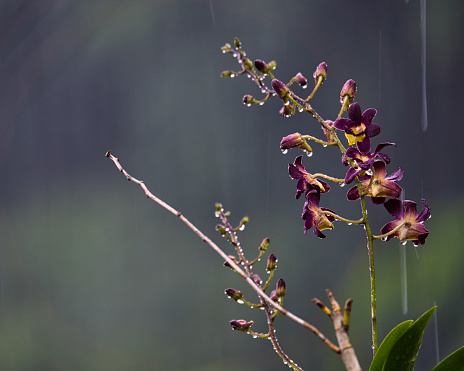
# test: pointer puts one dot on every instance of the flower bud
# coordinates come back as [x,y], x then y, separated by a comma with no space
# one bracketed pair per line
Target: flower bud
[247,63]
[248,99]
[280,88]
[349,89]
[272,65]
[227,73]
[261,66]
[221,229]
[274,296]
[320,73]
[226,264]
[300,79]
[241,325]
[257,279]
[264,244]
[280,288]
[295,140]
[234,294]
[271,263]
[286,110]
[237,42]
[226,48]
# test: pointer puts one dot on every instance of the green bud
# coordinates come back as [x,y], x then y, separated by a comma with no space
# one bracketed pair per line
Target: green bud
[237,42]
[234,294]
[264,244]
[281,288]
[271,263]
[248,64]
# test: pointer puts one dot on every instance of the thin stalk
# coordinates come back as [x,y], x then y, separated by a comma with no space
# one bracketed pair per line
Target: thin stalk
[370,248]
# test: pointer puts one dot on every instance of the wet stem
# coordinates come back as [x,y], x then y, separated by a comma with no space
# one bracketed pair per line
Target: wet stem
[370,248]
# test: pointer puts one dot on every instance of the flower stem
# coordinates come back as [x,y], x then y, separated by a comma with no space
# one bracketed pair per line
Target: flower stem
[370,248]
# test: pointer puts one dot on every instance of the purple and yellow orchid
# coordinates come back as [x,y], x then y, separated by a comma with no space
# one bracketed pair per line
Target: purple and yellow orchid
[313,215]
[359,128]
[409,223]
[364,161]
[380,187]
[306,181]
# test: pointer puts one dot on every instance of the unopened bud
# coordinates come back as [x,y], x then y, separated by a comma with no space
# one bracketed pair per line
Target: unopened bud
[226,48]
[257,279]
[300,79]
[234,294]
[227,73]
[248,99]
[286,110]
[241,325]
[261,66]
[247,63]
[274,296]
[264,244]
[349,90]
[221,229]
[280,88]
[237,43]
[271,263]
[226,263]
[272,65]
[295,140]
[320,73]
[281,288]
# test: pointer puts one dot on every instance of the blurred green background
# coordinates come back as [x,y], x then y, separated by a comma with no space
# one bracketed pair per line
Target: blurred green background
[93,276]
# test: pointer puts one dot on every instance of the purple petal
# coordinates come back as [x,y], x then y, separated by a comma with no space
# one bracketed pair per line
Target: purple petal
[368,115]
[352,194]
[378,200]
[365,145]
[342,123]
[294,172]
[353,153]
[318,233]
[351,174]
[395,208]
[389,227]
[382,146]
[354,112]
[372,130]
[396,175]
[425,214]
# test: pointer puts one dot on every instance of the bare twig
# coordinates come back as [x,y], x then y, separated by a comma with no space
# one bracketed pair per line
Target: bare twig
[341,325]
[226,257]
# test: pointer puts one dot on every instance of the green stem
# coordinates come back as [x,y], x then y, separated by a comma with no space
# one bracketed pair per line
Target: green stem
[370,248]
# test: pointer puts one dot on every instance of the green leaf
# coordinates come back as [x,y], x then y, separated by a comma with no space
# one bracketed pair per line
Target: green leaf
[454,362]
[403,354]
[387,345]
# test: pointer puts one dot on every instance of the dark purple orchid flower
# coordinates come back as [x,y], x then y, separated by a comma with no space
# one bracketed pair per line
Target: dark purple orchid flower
[411,228]
[382,186]
[364,161]
[313,215]
[306,182]
[359,128]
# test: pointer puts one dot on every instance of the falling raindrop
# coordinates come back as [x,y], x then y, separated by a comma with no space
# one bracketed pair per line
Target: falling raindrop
[404,280]
[423,10]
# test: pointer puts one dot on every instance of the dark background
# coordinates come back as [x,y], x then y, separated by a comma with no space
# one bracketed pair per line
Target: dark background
[94,276]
